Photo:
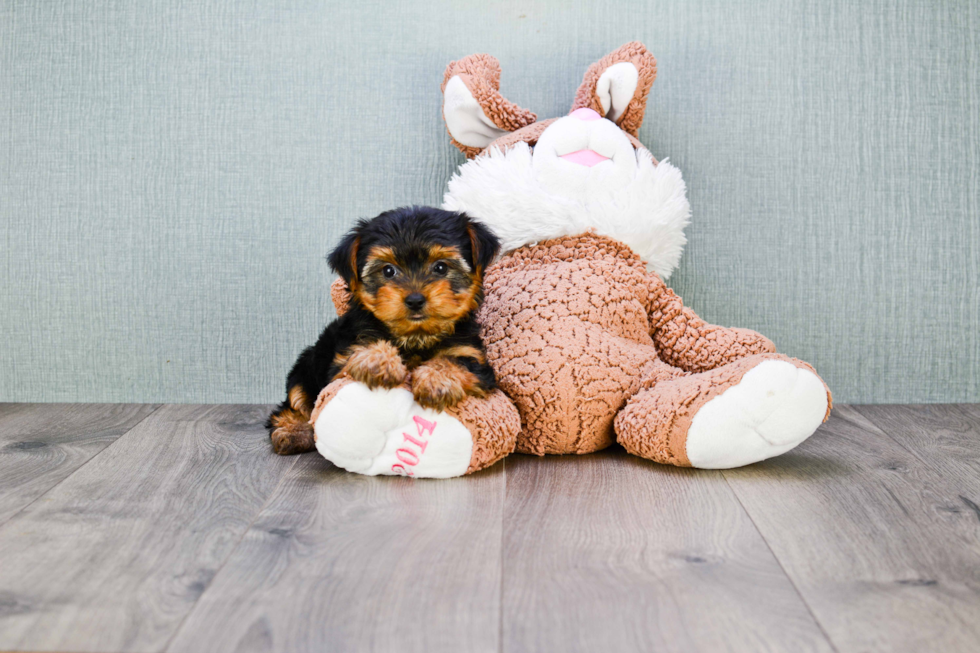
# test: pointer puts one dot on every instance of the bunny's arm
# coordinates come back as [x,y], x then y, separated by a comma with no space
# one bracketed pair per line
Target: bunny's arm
[686,341]
[340,294]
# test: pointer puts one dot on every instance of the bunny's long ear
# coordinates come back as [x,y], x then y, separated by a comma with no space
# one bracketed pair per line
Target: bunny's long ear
[476,113]
[617,86]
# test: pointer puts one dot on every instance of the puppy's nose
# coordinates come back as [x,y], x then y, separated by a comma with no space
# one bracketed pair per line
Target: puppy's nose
[415,301]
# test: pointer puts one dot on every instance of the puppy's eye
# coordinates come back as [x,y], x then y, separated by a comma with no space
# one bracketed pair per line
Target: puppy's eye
[440,268]
[389,271]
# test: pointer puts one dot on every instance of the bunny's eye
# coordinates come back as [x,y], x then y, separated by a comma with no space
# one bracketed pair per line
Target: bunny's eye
[389,271]
[440,268]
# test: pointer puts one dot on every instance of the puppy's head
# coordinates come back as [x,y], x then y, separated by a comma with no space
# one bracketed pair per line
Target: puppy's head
[417,269]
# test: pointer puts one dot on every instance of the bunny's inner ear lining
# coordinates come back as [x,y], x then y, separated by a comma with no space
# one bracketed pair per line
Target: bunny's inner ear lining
[615,89]
[465,118]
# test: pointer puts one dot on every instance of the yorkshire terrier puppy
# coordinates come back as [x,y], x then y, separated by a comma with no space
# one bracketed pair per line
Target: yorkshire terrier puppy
[415,276]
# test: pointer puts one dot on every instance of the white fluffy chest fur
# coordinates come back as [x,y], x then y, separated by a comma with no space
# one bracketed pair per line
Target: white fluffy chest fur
[524,201]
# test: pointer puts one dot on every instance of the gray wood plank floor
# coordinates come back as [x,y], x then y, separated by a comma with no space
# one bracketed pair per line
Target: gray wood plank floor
[41,444]
[863,529]
[174,528]
[340,562]
[613,552]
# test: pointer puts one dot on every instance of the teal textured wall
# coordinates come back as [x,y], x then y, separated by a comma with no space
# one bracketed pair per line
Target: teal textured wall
[172,174]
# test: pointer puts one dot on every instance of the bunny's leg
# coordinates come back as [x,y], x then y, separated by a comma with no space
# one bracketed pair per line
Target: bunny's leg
[755,408]
[386,432]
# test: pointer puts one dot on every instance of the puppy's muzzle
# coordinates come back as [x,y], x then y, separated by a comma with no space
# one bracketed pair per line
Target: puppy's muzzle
[415,302]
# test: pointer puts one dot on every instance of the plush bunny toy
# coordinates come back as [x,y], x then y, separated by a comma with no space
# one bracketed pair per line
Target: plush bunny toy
[583,334]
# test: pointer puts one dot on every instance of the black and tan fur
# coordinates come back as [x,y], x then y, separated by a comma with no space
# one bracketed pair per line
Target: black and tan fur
[415,275]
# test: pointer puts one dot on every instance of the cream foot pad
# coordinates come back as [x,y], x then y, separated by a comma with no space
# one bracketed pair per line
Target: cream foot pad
[775,407]
[385,432]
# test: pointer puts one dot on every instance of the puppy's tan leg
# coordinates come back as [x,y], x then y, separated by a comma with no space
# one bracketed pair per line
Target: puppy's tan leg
[292,432]
[440,384]
[378,365]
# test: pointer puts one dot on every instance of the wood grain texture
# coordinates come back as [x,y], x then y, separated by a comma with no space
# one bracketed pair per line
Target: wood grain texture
[42,444]
[186,534]
[610,552]
[340,562]
[945,437]
[876,540]
[115,556]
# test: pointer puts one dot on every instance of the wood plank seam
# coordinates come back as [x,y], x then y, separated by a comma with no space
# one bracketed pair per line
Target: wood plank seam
[339,561]
[613,552]
[231,552]
[500,584]
[894,570]
[781,567]
[75,471]
[132,541]
[886,430]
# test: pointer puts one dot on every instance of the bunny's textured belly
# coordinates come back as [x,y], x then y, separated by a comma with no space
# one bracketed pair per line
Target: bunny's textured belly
[565,328]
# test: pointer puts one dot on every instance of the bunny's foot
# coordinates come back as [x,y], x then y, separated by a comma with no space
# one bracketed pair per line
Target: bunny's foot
[386,432]
[750,410]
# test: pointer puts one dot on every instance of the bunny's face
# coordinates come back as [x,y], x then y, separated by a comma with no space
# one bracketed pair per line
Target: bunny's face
[583,150]
[529,181]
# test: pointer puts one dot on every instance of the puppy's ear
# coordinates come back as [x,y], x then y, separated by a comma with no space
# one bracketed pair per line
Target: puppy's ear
[343,259]
[484,245]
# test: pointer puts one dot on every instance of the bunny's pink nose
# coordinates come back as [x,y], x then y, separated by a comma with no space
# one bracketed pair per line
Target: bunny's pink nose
[585,114]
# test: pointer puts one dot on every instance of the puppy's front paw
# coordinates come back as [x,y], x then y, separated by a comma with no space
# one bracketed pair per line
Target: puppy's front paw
[441,384]
[377,365]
